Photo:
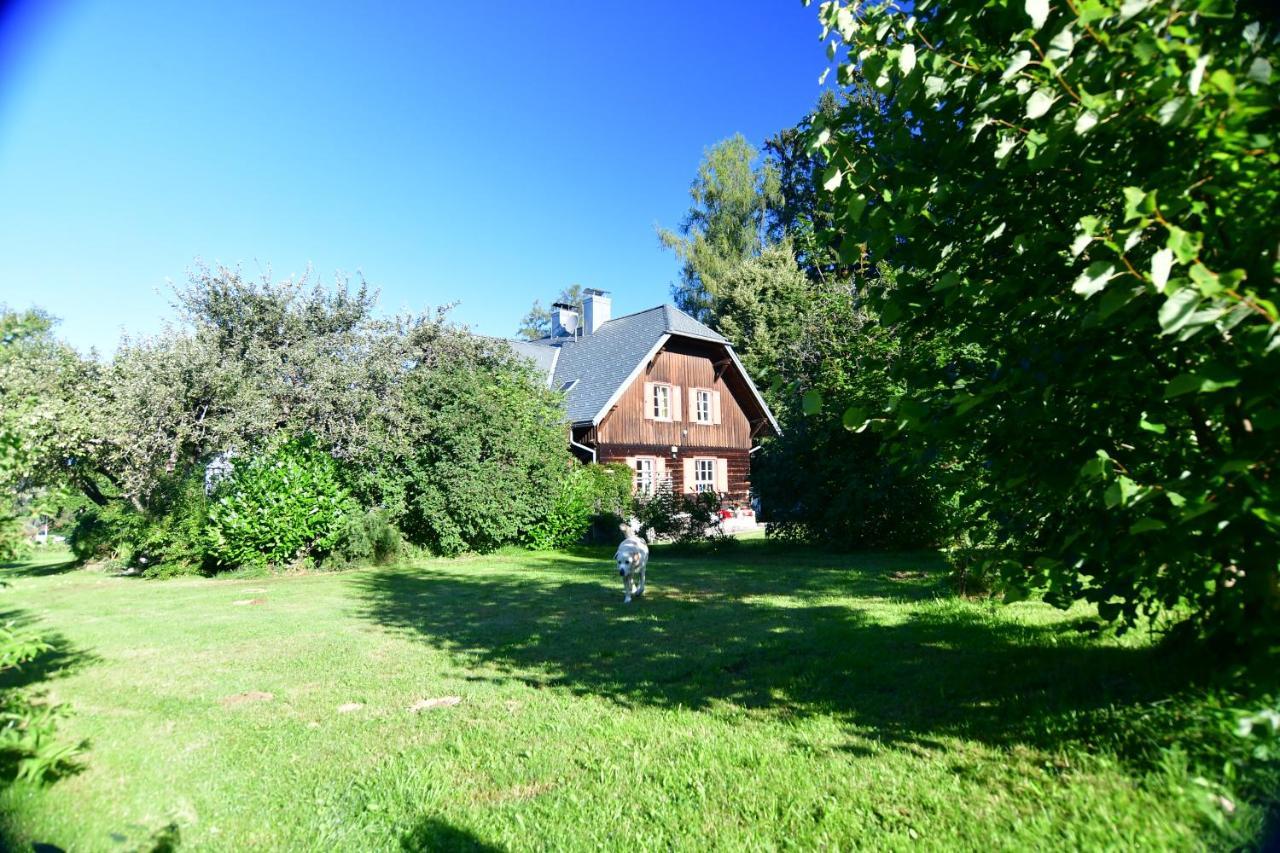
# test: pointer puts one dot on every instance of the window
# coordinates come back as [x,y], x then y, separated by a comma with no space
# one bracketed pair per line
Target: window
[661,402]
[704,475]
[702,406]
[646,477]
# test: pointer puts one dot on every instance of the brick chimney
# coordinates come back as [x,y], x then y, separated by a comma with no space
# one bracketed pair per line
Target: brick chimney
[597,308]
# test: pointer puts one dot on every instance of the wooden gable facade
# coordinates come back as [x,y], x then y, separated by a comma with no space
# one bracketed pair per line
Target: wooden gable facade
[688,418]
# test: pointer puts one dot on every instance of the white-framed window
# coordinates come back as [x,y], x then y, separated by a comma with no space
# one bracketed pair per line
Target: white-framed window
[662,402]
[646,476]
[704,475]
[702,406]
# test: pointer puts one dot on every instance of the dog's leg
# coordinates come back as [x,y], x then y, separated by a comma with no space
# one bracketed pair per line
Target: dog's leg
[640,589]
[626,589]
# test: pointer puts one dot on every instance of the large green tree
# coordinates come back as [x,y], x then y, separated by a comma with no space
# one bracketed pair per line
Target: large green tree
[727,222]
[1087,194]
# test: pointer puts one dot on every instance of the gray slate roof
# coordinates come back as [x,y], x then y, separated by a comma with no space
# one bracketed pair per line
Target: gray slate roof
[598,364]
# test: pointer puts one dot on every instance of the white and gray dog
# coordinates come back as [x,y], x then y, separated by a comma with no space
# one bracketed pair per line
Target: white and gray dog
[633,559]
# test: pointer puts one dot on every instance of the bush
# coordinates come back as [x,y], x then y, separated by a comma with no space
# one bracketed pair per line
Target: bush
[369,539]
[486,455]
[683,518]
[822,483]
[161,543]
[592,502]
[28,748]
[285,504]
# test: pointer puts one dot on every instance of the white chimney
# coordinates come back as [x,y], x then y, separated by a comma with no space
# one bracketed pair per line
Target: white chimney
[564,320]
[596,308]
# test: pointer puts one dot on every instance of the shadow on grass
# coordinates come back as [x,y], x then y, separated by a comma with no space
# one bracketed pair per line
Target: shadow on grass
[60,658]
[760,629]
[37,568]
[20,695]
[434,835]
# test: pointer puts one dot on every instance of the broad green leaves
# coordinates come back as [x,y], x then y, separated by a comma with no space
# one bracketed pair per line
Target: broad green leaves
[1098,187]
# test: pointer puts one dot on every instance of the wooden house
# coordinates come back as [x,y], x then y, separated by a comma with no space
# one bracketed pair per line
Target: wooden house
[657,390]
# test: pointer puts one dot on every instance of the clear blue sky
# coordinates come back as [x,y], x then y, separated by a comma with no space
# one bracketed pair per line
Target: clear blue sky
[486,153]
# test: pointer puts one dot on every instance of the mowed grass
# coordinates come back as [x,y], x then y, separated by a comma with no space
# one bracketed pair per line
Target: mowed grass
[765,698]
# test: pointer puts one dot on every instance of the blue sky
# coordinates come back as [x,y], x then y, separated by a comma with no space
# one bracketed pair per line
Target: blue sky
[488,154]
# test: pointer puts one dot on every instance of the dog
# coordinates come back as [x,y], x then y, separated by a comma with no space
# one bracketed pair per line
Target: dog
[632,559]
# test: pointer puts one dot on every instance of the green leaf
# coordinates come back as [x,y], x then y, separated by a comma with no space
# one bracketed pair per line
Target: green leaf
[1177,309]
[1205,280]
[1020,61]
[1223,80]
[1039,103]
[1120,492]
[1146,525]
[907,59]
[854,419]
[832,178]
[811,402]
[857,204]
[1259,70]
[1210,378]
[1038,10]
[1158,429]
[1138,203]
[1185,245]
[1161,264]
[1094,278]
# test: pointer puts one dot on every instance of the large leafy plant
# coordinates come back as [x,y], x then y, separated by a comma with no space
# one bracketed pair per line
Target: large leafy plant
[1086,194]
[277,507]
[588,496]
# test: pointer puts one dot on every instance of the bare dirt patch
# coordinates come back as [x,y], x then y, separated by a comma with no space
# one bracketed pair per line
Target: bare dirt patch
[906,576]
[438,702]
[243,601]
[348,707]
[243,698]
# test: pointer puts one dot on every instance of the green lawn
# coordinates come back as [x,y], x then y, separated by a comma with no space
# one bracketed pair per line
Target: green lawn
[765,698]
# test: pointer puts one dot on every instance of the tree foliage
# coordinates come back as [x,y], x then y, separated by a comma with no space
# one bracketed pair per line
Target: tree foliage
[589,497]
[727,222]
[486,451]
[1085,196]
[431,429]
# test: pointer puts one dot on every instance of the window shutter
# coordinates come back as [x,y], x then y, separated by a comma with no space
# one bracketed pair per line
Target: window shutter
[715,407]
[693,404]
[660,469]
[676,392]
[648,401]
[722,475]
[688,475]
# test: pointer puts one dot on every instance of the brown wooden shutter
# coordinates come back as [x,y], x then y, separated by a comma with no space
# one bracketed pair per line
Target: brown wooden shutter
[676,392]
[688,475]
[715,407]
[648,401]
